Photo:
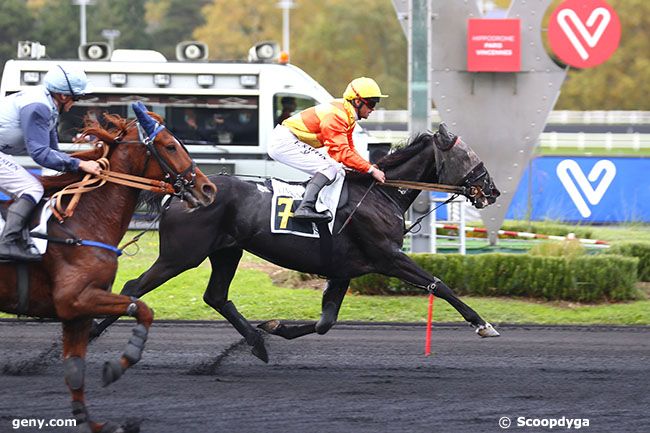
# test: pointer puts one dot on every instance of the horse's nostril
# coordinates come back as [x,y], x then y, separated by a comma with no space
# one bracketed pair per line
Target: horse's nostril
[209,190]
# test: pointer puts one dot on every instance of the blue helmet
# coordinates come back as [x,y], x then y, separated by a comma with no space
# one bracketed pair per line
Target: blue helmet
[67,80]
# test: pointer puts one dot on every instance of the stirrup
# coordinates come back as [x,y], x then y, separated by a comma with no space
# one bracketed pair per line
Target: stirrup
[12,252]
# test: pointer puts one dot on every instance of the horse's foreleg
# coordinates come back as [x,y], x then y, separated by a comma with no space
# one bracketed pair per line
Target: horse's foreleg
[75,342]
[331,304]
[113,370]
[94,302]
[224,264]
[404,268]
[332,300]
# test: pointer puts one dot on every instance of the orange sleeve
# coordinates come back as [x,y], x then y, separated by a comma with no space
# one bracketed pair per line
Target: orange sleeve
[337,136]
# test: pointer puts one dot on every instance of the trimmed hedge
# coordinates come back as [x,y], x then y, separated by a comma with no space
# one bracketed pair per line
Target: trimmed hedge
[581,278]
[640,250]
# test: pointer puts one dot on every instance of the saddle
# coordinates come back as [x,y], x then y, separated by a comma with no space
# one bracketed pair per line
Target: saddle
[38,230]
[343,199]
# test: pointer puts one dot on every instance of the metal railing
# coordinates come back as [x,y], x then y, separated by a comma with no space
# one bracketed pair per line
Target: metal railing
[557,140]
[390,126]
[561,117]
[581,140]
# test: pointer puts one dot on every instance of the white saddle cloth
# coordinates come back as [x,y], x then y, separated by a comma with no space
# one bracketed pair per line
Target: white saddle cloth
[328,199]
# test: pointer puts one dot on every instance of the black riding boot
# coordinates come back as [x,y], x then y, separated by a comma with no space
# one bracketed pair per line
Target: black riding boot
[14,243]
[307,209]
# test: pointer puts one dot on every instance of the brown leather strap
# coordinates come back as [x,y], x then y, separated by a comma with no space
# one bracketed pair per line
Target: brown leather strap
[137,182]
[22,277]
[424,186]
[90,182]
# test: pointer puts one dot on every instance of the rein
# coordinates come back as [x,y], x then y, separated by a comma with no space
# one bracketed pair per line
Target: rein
[452,189]
[419,220]
[424,186]
[90,182]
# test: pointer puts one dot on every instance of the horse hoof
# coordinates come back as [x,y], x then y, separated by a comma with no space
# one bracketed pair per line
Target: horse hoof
[131,426]
[270,327]
[84,427]
[487,330]
[111,427]
[112,371]
[259,350]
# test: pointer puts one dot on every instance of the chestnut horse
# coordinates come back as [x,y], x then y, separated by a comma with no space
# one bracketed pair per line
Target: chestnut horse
[73,283]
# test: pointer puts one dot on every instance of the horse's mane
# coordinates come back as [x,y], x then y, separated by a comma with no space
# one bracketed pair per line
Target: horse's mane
[149,204]
[97,134]
[414,146]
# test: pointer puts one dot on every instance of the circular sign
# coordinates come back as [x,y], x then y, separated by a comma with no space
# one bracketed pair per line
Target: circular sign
[584,33]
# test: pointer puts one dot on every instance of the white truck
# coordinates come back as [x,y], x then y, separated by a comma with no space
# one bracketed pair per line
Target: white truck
[222,111]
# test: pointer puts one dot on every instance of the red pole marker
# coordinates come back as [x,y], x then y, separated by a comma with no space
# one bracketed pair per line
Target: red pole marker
[427,344]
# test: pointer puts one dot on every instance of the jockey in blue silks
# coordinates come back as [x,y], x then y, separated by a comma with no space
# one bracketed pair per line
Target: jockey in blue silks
[28,122]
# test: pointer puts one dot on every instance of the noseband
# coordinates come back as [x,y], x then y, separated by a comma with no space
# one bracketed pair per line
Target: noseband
[477,183]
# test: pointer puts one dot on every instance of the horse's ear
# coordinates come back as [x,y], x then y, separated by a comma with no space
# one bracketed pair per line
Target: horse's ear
[146,121]
[443,138]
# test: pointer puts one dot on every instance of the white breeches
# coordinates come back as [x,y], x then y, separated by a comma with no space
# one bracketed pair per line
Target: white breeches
[284,147]
[18,181]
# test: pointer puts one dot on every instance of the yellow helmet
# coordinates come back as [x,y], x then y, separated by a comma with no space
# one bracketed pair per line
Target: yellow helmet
[362,87]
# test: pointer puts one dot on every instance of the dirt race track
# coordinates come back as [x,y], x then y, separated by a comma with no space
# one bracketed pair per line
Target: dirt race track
[200,377]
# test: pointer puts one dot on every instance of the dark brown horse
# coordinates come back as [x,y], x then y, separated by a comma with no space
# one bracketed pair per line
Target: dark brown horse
[73,283]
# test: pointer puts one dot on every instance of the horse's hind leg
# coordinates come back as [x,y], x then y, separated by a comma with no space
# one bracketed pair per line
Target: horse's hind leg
[404,268]
[224,264]
[331,304]
[75,342]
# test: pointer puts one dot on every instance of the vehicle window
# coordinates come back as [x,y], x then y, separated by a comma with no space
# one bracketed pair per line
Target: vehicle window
[287,104]
[196,120]
[72,122]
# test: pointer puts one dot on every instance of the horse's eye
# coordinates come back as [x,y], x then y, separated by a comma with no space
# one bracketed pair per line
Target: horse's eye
[170,148]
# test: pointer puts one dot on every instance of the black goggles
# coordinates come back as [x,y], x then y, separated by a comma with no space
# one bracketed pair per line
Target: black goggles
[370,102]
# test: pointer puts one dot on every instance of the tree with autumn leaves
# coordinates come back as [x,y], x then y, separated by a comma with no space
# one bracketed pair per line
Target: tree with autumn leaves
[333,41]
